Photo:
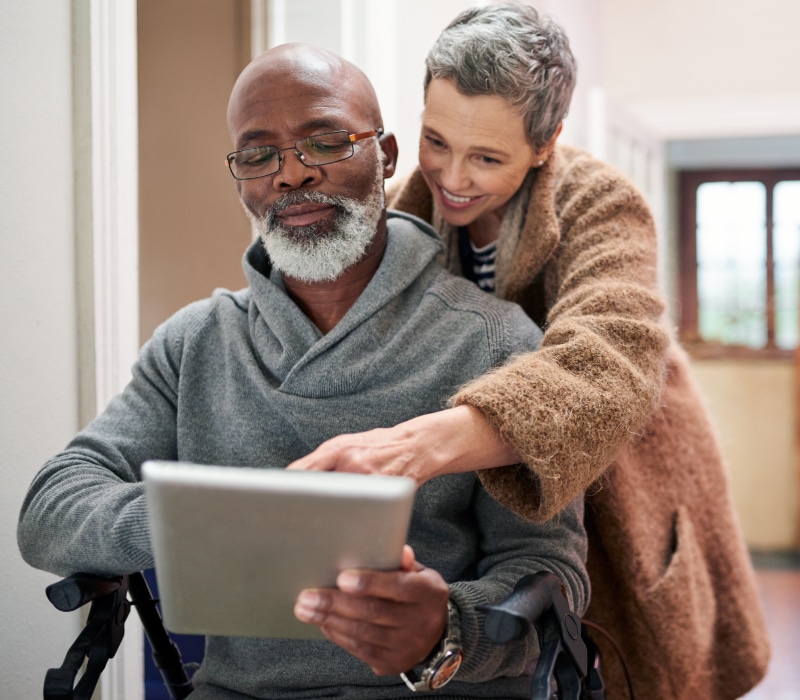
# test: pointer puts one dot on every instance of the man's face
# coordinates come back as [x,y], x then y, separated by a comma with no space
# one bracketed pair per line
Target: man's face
[321,212]
[323,249]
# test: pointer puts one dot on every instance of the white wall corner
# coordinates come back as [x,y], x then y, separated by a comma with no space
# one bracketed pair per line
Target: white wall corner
[115,229]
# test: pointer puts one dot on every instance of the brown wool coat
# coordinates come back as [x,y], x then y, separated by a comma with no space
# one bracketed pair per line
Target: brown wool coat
[607,405]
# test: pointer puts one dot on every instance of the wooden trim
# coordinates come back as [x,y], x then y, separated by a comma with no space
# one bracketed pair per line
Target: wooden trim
[699,350]
[797,442]
[688,312]
[687,257]
[770,309]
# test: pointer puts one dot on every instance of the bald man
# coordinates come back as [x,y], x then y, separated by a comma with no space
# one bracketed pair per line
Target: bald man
[347,324]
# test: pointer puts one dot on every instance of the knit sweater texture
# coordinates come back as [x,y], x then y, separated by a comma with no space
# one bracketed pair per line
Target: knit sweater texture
[245,379]
[607,404]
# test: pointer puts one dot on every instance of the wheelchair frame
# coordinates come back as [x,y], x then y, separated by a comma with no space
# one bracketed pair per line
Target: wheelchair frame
[568,657]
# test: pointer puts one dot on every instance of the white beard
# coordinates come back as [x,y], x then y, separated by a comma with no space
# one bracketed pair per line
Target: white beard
[307,254]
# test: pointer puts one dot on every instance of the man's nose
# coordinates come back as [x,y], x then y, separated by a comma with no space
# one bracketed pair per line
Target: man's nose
[294,173]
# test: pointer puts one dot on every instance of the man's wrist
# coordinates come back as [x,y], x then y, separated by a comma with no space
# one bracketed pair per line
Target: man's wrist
[443,662]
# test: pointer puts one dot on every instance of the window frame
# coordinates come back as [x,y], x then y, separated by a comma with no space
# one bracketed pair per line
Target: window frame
[688,324]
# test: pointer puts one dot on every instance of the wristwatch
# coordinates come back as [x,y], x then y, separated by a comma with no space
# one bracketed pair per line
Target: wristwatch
[444,661]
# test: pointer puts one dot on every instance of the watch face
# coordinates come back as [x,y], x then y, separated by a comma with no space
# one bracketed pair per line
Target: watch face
[445,669]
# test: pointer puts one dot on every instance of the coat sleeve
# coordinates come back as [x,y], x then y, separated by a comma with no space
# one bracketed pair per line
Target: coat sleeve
[569,407]
[85,510]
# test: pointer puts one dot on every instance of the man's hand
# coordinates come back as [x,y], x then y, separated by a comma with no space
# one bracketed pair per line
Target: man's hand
[391,620]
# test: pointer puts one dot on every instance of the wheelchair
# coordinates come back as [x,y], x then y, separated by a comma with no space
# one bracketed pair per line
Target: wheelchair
[569,661]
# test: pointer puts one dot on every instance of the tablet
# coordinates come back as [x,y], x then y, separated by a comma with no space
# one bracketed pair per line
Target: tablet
[234,546]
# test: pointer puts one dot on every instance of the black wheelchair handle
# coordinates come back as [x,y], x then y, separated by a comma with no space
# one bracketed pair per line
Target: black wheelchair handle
[74,591]
[533,595]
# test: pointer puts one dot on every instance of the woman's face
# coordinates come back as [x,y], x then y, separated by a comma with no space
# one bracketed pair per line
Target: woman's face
[473,152]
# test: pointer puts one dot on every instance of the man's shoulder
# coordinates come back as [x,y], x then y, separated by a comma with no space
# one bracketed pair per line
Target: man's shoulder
[222,306]
[397,219]
[463,295]
[456,293]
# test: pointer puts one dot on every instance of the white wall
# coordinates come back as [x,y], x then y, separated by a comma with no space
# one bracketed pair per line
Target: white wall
[714,68]
[38,367]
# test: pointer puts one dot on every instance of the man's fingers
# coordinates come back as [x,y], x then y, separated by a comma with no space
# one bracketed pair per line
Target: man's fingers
[320,606]
[400,586]
[386,651]
[408,561]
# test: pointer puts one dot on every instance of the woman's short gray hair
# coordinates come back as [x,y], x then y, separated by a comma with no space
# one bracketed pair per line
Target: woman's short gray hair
[511,51]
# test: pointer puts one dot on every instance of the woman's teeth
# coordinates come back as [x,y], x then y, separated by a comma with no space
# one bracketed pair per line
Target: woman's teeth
[455,198]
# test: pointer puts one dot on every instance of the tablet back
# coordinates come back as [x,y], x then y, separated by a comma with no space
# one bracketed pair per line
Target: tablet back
[234,546]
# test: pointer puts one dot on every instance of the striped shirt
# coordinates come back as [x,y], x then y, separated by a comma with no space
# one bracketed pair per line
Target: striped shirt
[477,264]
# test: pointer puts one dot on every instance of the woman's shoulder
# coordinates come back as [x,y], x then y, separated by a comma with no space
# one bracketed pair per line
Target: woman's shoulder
[573,163]
[576,166]
[580,177]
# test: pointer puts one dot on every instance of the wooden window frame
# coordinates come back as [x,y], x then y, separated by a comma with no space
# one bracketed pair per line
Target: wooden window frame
[688,182]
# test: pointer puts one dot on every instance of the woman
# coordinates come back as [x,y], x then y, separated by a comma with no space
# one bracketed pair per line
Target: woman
[606,404]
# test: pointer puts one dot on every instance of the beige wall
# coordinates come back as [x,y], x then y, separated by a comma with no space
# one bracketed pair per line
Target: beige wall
[753,404]
[192,229]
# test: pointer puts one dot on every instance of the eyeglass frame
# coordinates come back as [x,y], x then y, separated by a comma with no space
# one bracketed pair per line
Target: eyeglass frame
[300,155]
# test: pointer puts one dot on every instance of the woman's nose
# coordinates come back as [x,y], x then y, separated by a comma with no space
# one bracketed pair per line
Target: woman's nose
[454,176]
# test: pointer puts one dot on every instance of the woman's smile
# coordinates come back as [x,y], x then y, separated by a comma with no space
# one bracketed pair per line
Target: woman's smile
[454,200]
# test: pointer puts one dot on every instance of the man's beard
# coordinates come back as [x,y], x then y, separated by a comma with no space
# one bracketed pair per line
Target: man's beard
[321,252]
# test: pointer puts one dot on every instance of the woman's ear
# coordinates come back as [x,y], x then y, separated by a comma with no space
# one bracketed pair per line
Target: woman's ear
[547,150]
[388,145]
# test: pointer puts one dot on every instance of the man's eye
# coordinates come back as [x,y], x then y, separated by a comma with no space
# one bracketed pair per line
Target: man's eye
[258,156]
[327,145]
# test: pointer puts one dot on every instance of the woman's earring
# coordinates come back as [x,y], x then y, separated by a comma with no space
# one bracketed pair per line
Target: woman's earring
[540,164]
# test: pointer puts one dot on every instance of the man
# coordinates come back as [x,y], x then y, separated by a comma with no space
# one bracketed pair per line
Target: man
[347,324]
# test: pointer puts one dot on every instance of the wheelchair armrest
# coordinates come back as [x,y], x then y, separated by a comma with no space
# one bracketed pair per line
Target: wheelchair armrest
[97,642]
[539,600]
[72,592]
[101,636]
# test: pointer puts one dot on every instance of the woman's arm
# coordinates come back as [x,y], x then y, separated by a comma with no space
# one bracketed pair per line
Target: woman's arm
[568,408]
[455,440]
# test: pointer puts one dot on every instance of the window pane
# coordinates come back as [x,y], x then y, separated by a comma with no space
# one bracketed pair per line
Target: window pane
[731,262]
[786,242]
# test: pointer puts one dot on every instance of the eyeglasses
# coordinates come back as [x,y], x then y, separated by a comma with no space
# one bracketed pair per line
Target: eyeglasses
[321,149]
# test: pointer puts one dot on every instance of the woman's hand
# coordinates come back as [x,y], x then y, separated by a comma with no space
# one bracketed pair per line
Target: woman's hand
[451,441]
[391,620]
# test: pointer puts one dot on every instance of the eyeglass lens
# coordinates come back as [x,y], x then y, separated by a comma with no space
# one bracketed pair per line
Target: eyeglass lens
[321,149]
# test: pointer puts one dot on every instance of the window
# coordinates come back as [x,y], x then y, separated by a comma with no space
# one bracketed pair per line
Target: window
[740,261]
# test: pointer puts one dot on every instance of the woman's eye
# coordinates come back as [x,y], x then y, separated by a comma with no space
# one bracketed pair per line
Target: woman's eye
[488,160]
[435,143]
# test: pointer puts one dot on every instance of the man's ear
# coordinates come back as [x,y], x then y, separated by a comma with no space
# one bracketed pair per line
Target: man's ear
[388,145]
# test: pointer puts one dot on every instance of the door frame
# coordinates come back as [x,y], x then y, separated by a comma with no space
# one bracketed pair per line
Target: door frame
[105,138]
